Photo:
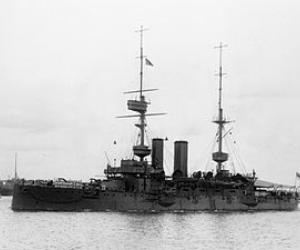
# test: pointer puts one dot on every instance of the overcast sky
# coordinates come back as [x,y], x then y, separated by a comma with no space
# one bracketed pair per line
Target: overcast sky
[64,65]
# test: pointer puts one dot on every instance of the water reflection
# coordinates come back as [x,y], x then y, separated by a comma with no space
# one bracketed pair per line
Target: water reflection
[108,230]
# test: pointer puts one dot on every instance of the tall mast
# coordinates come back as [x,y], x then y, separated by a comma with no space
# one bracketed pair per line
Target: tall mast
[220,156]
[142,98]
[140,106]
[220,116]
[16,158]
[141,150]
[141,30]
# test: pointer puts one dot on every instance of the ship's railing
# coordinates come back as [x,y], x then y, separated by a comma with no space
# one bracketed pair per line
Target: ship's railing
[68,184]
[56,184]
[282,193]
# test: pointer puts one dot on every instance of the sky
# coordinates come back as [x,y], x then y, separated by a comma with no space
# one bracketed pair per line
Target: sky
[64,65]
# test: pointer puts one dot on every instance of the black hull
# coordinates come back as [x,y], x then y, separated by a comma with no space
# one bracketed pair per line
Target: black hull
[6,192]
[34,198]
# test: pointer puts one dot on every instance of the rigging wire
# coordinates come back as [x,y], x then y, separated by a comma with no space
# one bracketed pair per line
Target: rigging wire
[213,144]
[237,156]
[231,154]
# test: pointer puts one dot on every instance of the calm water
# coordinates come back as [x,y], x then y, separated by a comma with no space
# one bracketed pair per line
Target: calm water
[108,230]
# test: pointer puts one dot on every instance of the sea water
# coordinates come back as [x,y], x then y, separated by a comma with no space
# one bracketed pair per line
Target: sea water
[114,230]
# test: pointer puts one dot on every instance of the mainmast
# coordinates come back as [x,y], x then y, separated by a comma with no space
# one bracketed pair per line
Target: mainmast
[220,156]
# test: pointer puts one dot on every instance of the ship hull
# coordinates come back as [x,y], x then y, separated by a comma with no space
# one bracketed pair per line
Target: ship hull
[6,192]
[6,187]
[65,199]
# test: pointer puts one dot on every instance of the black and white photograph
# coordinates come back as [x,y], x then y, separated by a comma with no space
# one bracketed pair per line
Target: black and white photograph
[149,124]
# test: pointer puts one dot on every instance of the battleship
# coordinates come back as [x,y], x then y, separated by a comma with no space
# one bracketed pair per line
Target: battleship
[140,184]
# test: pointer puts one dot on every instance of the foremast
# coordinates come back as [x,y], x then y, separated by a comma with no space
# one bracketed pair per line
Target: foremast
[141,150]
[220,157]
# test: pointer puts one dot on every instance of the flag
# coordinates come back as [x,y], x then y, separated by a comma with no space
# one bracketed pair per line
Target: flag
[297,174]
[148,62]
